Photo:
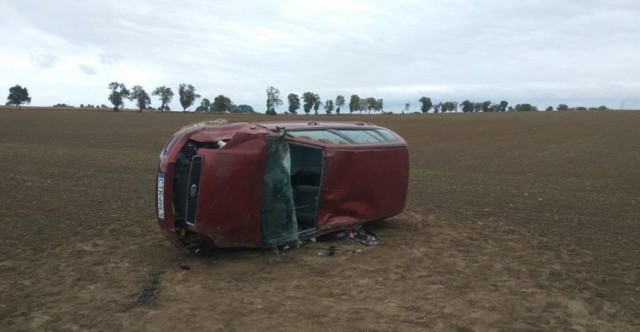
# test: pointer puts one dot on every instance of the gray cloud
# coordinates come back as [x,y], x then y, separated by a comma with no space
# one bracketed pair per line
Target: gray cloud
[87,69]
[45,61]
[109,58]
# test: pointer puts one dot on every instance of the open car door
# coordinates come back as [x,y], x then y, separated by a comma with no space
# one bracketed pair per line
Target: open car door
[279,225]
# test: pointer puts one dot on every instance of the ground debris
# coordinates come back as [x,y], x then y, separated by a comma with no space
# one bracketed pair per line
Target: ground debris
[331,252]
[358,234]
[150,289]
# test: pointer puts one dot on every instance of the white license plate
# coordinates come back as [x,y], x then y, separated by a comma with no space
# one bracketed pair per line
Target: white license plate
[160,195]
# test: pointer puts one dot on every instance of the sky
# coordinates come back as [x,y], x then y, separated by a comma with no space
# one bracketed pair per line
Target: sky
[542,52]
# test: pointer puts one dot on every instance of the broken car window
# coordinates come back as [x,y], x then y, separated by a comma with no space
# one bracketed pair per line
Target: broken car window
[346,136]
[319,135]
[388,136]
[361,136]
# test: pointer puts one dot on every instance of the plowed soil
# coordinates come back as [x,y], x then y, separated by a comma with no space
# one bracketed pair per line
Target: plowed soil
[514,221]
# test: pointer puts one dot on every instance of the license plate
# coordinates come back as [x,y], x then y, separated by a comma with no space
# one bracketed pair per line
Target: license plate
[160,195]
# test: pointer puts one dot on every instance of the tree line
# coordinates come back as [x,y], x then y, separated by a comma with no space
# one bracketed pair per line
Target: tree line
[187,96]
[468,106]
[19,95]
[312,101]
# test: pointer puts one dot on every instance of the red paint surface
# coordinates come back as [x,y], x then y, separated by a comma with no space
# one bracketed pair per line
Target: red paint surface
[362,185]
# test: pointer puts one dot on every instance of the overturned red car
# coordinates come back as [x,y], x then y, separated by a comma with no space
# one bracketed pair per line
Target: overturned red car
[276,183]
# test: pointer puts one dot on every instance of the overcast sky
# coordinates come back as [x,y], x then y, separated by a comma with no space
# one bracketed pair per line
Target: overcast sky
[543,52]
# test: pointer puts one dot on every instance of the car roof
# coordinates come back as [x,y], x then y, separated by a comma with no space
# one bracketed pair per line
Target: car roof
[293,125]
[209,131]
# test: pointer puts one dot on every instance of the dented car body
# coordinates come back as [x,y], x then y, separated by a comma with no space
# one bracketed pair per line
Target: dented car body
[271,184]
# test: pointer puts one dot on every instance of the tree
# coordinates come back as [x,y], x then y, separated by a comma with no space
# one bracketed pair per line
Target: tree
[187,95]
[18,96]
[525,108]
[406,107]
[118,93]
[444,106]
[140,97]
[486,106]
[206,103]
[448,106]
[273,100]
[426,104]
[205,106]
[436,107]
[339,103]
[363,105]
[563,107]
[379,105]
[242,109]
[309,101]
[165,94]
[317,102]
[328,106]
[371,104]
[549,108]
[354,103]
[294,103]
[467,106]
[477,107]
[222,104]
[503,106]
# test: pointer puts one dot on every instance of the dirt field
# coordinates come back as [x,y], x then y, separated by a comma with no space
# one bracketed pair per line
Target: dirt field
[513,222]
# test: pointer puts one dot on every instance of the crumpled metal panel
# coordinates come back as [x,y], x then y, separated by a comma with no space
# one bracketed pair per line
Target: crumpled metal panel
[231,192]
[362,185]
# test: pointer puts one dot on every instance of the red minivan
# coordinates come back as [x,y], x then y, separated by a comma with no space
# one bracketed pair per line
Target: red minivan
[271,184]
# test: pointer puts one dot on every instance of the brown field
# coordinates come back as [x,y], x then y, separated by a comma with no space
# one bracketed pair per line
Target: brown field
[513,222]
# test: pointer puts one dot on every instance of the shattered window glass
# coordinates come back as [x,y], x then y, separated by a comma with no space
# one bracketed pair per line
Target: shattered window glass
[388,136]
[279,225]
[337,136]
[319,135]
[362,136]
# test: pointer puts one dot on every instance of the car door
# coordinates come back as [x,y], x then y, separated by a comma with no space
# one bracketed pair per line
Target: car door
[279,225]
